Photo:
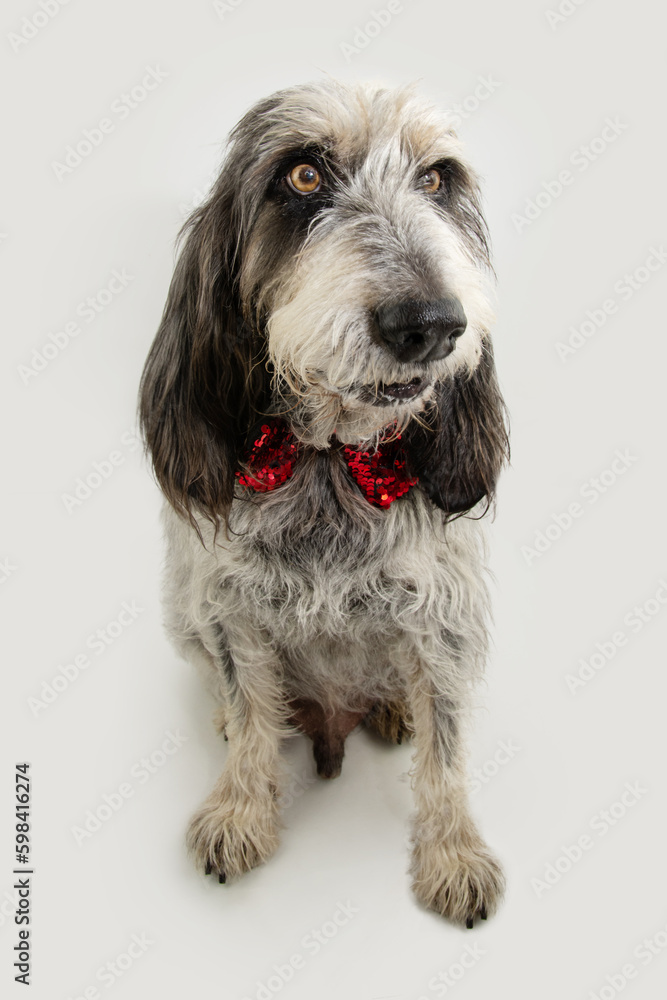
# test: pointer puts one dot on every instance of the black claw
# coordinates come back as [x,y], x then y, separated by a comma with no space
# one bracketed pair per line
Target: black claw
[209,868]
[483,913]
[222,878]
[469,923]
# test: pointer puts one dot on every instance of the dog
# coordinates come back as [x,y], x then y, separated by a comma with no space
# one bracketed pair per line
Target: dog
[323,415]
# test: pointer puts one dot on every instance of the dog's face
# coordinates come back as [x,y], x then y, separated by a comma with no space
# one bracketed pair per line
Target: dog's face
[336,274]
[363,252]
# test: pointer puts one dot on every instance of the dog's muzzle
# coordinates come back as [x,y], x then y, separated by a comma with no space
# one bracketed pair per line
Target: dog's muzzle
[421,331]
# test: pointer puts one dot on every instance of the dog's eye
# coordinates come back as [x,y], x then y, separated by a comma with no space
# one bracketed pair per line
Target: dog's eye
[304,178]
[430,181]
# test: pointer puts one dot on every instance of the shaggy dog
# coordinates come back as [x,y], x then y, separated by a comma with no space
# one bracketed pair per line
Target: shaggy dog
[321,408]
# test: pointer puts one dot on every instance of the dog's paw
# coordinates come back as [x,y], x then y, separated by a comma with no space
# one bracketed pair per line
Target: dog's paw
[230,840]
[461,883]
[391,721]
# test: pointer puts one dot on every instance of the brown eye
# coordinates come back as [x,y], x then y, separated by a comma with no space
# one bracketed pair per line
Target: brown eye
[430,181]
[305,178]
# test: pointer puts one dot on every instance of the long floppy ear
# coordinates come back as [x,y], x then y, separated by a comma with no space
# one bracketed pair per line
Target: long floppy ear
[205,377]
[458,455]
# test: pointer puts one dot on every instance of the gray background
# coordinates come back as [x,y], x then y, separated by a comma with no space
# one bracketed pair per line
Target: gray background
[68,572]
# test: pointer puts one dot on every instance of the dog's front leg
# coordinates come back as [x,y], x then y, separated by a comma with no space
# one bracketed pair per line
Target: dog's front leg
[453,870]
[237,826]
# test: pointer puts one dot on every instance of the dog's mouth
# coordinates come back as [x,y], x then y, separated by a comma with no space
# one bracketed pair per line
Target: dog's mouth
[384,393]
[393,392]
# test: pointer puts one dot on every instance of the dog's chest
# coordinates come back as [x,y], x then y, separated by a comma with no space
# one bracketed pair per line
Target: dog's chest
[342,579]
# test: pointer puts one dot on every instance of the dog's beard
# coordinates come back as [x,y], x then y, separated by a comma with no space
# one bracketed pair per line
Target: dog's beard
[320,416]
[331,366]
[355,390]
[319,408]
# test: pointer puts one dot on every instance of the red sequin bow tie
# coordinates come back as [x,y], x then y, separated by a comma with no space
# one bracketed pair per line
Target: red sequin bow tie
[381,475]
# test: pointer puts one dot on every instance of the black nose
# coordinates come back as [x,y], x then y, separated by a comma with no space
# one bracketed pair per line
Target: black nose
[421,331]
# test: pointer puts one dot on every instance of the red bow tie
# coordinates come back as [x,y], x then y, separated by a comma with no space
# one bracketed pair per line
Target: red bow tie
[380,474]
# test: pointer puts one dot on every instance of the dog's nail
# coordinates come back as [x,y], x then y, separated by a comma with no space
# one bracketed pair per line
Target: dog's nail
[222,878]
[483,913]
[469,923]
[209,868]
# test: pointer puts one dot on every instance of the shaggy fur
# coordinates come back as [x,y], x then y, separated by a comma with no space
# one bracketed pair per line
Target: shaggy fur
[307,606]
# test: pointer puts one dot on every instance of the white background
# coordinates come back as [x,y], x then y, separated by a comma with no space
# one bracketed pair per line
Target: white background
[68,573]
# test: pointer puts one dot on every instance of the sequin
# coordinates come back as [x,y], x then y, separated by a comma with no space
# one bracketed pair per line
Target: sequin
[270,462]
[381,475]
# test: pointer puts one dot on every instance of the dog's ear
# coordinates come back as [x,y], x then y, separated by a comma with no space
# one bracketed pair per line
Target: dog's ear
[459,451]
[205,379]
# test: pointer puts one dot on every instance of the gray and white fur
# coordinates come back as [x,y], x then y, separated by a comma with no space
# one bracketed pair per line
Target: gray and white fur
[354,306]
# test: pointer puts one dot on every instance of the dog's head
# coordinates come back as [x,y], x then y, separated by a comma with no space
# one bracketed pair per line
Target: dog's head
[336,274]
